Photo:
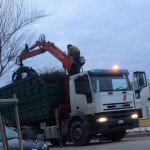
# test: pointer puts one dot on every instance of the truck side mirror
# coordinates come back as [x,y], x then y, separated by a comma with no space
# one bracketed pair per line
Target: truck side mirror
[141,81]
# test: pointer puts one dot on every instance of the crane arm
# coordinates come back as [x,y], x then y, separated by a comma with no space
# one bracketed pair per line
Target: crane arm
[51,48]
[42,46]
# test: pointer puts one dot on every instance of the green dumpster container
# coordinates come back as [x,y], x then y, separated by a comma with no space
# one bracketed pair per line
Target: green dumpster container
[37,100]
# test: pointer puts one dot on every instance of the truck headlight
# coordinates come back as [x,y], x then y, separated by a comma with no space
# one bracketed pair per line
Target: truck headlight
[134,116]
[102,119]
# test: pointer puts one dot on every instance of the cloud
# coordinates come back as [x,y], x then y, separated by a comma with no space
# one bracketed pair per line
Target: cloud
[36,26]
[107,32]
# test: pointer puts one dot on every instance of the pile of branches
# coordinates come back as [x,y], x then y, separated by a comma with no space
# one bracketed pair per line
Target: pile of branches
[53,75]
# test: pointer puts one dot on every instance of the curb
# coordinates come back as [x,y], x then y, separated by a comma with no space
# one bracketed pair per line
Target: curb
[131,135]
[138,132]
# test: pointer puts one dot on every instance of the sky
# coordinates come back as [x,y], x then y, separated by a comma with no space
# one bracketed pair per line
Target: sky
[107,32]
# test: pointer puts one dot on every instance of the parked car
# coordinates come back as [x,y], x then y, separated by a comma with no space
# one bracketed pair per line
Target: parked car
[13,142]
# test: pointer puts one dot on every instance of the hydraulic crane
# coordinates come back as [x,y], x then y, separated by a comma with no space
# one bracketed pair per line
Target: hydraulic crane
[40,47]
[43,46]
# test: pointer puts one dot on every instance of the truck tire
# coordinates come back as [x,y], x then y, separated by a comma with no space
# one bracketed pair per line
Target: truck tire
[30,132]
[78,134]
[56,142]
[25,134]
[117,136]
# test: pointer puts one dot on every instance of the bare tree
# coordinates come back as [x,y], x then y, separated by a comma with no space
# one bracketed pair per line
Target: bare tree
[15,16]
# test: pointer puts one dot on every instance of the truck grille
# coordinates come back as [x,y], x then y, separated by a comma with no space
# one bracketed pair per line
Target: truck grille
[115,106]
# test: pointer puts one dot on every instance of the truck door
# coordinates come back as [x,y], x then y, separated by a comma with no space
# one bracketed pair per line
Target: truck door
[83,95]
[141,94]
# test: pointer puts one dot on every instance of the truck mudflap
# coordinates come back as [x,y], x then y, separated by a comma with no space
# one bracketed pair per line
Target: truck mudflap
[116,121]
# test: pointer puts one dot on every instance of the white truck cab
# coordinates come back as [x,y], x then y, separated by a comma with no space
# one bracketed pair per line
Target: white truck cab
[100,90]
[141,89]
[102,103]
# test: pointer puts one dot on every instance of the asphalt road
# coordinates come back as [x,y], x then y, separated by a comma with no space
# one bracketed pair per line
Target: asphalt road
[138,143]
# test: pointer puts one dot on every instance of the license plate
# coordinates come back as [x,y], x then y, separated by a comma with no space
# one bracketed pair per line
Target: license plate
[121,121]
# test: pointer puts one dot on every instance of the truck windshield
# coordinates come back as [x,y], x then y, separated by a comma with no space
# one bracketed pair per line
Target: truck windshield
[111,83]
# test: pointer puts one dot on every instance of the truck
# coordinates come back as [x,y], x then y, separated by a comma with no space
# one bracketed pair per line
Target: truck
[93,103]
[141,88]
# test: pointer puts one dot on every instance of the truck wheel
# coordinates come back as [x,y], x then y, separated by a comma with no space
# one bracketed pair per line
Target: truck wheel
[25,134]
[56,142]
[78,134]
[30,132]
[117,136]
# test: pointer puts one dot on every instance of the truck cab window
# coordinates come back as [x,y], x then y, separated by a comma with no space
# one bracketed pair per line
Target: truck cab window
[139,80]
[139,83]
[82,86]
